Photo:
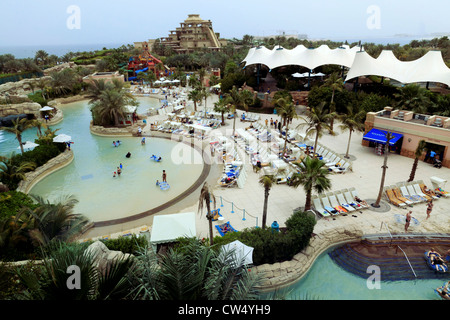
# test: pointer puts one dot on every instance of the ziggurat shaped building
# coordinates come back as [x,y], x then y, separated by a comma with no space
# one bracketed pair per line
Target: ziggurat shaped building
[193,34]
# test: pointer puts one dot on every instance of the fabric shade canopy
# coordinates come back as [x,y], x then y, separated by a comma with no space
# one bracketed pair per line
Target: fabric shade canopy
[241,253]
[429,68]
[379,136]
[169,227]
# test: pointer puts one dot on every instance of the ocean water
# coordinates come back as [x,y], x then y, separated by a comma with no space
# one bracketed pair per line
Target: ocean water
[21,52]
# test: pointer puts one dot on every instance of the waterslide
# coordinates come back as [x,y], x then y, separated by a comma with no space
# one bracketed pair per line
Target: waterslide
[214,38]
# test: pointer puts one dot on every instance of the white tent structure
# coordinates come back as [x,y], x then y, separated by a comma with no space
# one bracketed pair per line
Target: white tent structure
[241,253]
[429,68]
[301,56]
[167,228]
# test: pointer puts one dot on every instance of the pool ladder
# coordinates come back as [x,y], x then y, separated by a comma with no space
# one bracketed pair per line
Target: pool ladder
[389,232]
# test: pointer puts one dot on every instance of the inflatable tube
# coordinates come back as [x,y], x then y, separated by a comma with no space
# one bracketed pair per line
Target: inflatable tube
[155,158]
[164,186]
[436,267]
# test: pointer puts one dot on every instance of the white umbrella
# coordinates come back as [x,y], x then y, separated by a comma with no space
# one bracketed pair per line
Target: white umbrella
[242,254]
[29,145]
[46,108]
[62,138]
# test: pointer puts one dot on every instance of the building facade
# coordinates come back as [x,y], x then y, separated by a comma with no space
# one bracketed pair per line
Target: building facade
[411,128]
[193,34]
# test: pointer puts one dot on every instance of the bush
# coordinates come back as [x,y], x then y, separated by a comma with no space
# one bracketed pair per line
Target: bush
[12,201]
[130,245]
[37,97]
[39,155]
[270,246]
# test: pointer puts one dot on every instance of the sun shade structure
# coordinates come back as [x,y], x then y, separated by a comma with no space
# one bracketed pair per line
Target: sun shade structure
[379,136]
[241,253]
[169,227]
[301,56]
[429,68]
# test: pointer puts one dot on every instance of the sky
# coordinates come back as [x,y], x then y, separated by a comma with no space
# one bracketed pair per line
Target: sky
[62,22]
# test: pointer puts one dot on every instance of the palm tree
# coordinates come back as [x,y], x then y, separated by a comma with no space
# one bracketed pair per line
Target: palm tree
[41,57]
[389,137]
[205,94]
[239,99]
[19,126]
[413,97]
[195,95]
[312,174]
[421,147]
[267,181]
[42,84]
[95,89]
[205,200]
[192,271]
[287,112]
[52,280]
[222,107]
[62,81]
[336,84]
[11,173]
[49,222]
[39,124]
[317,121]
[352,121]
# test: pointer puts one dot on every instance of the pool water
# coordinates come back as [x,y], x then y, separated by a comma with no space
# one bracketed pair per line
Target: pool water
[328,281]
[90,175]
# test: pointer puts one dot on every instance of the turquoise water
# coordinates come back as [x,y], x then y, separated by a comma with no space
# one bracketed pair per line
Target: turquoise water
[90,175]
[327,281]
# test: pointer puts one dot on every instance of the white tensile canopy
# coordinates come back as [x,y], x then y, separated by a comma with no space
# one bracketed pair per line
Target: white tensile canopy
[301,56]
[169,227]
[62,138]
[429,68]
[28,145]
[241,253]
[46,108]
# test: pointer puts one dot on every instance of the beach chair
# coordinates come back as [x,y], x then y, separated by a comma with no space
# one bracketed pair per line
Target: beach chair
[442,192]
[343,201]
[354,193]
[318,207]
[413,193]
[392,198]
[420,193]
[400,196]
[335,161]
[350,200]
[327,205]
[335,203]
[225,228]
[409,196]
[426,190]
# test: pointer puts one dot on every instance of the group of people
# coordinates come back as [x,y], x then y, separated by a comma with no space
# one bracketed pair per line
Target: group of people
[118,171]
[116,143]
[435,257]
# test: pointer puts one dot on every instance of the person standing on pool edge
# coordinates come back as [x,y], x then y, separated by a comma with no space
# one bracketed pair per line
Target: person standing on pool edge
[164,176]
[407,220]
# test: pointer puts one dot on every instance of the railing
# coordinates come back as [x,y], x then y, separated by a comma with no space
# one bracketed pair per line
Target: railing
[389,232]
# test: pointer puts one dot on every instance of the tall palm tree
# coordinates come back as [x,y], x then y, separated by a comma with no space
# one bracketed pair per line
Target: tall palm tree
[352,121]
[49,222]
[42,84]
[267,181]
[95,89]
[63,81]
[239,99]
[195,95]
[39,124]
[222,106]
[19,126]
[421,147]
[312,174]
[287,112]
[205,199]
[11,173]
[317,121]
[413,97]
[336,84]
[205,94]
[389,137]
[41,57]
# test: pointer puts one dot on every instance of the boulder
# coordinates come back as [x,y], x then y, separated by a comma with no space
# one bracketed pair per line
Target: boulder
[103,257]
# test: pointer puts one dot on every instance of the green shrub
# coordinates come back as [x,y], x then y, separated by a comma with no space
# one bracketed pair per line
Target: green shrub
[40,155]
[12,201]
[126,244]
[37,97]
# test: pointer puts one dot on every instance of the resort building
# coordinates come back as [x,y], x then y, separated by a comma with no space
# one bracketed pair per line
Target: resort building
[194,34]
[408,129]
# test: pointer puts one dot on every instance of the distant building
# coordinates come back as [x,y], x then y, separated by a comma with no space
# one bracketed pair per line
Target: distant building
[106,76]
[193,34]
[409,128]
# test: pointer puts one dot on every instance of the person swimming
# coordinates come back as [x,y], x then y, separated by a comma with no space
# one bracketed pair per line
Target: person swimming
[128,155]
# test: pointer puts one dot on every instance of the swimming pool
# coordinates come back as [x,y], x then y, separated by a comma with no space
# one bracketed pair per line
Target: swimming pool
[90,175]
[327,281]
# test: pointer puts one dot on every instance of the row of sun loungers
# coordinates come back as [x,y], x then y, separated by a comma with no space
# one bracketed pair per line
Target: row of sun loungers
[409,193]
[250,117]
[338,202]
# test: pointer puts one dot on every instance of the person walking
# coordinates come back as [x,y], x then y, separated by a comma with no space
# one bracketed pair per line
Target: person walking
[429,208]
[408,220]
[164,176]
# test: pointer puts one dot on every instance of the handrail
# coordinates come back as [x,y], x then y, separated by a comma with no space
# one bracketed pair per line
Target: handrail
[387,228]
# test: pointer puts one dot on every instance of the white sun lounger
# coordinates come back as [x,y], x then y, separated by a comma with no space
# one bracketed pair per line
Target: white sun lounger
[355,194]
[343,202]
[318,206]
[327,205]
[419,192]
[406,194]
[413,193]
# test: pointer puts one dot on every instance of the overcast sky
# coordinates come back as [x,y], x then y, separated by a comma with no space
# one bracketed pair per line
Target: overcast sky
[49,22]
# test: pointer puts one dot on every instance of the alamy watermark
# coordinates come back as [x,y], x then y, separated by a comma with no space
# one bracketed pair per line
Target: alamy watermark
[374,280]
[373,22]
[74,19]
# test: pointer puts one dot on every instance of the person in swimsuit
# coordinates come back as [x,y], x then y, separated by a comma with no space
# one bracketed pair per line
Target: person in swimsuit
[164,176]
[408,220]
[429,208]
[119,171]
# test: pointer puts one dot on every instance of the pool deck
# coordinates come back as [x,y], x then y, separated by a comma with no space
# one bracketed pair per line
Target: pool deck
[365,177]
